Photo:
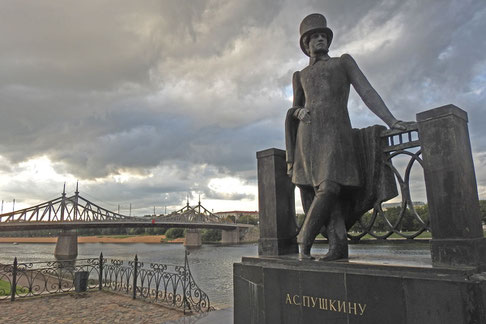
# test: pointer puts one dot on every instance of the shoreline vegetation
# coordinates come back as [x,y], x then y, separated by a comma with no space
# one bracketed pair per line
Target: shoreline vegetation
[150,239]
[97,239]
[170,236]
[158,239]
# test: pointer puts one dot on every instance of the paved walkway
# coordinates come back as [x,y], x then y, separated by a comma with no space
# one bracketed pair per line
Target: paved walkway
[92,307]
[223,316]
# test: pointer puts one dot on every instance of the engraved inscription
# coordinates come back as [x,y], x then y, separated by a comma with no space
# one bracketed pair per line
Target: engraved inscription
[326,304]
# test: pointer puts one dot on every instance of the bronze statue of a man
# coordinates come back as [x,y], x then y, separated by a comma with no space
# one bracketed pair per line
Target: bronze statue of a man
[321,157]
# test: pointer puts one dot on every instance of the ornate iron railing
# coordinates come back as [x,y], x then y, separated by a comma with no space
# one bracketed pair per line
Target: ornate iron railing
[398,145]
[170,285]
[31,279]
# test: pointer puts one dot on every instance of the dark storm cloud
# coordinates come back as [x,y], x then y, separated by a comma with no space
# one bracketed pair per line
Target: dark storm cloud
[179,92]
[434,59]
[77,90]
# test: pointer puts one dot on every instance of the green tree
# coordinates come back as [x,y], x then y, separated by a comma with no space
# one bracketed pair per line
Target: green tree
[482,210]
[173,233]
[210,235]
[247,219]
[230,219]
[408,223]
[150,231]
[423,212]
[365,219]
[136,231]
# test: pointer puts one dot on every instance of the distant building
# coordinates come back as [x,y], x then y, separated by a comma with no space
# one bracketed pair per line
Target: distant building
[237,213]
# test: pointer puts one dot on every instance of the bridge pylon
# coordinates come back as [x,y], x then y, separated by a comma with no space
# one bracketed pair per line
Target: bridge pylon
[230,236]
[67,245]
[193,238]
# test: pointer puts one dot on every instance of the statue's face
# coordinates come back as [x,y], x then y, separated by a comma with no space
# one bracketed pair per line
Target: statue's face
[318,44]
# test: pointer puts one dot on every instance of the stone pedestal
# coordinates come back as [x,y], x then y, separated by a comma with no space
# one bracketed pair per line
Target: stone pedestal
[457,235]
[276,205]
[278,288]
[67,245]
[230,237]
[287,291]
[193,238]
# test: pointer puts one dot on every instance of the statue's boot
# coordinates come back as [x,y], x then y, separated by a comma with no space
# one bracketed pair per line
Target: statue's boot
[318,215]
[338,241]
[338,251]
[305,252]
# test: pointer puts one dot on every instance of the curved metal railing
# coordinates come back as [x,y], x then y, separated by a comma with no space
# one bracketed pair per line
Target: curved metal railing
[378,223]
[167,284]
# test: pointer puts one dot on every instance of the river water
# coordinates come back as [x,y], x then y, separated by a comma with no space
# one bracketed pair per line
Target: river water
[212,265]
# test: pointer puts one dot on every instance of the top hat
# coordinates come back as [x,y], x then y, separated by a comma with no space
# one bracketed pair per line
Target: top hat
[314,23]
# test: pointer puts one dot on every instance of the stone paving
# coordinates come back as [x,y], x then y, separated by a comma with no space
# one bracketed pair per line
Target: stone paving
[92,307]
[222,316]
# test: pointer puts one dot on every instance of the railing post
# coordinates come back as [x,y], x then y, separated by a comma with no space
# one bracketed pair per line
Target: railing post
[128,283]
[135,270]
[101,272]
[13,286]
[184,285]
[450,181]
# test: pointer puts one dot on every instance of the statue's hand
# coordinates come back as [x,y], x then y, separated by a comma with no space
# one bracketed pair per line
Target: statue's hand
[304,115]
[400,125]
[290,169]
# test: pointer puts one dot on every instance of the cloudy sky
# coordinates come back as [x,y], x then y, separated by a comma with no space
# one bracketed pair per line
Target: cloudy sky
[147,102]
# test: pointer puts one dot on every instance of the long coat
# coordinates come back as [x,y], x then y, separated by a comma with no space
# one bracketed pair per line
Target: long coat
[323,149]
[328,148]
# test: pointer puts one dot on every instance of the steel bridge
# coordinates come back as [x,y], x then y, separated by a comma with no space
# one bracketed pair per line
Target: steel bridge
[75,212]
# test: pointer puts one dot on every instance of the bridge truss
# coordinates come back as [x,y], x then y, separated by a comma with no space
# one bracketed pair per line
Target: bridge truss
[196,214]
[64,209]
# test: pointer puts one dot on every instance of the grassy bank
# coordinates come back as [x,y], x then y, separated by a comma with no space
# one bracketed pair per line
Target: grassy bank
[5,288]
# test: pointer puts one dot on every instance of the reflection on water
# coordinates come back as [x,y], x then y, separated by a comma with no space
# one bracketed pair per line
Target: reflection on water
[211,265]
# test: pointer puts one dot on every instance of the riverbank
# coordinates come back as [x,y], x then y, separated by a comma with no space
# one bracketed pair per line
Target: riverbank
[251,236]
[96,239]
